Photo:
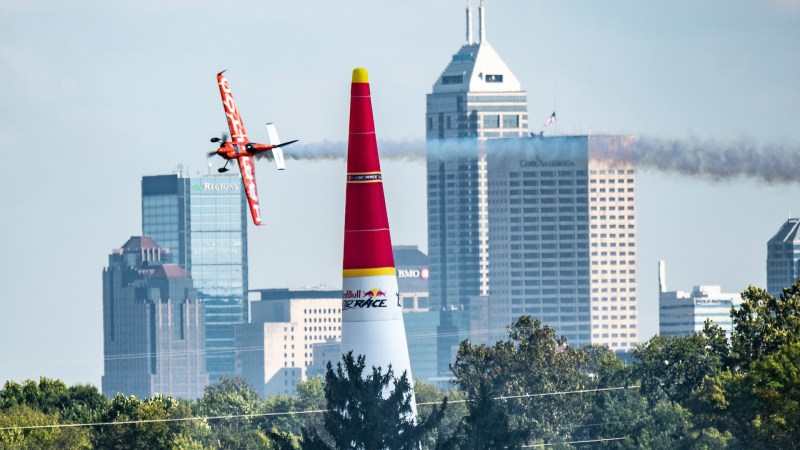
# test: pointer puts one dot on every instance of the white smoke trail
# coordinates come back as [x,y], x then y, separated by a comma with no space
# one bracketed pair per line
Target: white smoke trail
[403,149]
[709,159]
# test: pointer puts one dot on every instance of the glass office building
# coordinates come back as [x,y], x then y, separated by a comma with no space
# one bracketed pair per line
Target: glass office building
[475,98]
[783,258]
[203,221]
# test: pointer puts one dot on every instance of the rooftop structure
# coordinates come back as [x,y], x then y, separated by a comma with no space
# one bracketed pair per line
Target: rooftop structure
[684,313]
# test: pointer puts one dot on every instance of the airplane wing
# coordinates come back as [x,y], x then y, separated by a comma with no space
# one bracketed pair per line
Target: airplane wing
[247,169]
[234,119]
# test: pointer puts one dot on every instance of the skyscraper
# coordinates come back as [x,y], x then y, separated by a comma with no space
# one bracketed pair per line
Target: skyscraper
[203,221]
[476,97]
[783,257]
[152,325]
[562,236]
[521,224]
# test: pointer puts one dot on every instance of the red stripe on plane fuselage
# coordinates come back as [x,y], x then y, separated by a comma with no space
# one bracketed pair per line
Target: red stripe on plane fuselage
[248,172]
[247,167]
[235,123]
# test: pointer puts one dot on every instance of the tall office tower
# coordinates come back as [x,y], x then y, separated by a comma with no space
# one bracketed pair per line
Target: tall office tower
[275,349]
[152,325]
[783,258]
[562,237]
[477,97]
[203,221]
[683,313]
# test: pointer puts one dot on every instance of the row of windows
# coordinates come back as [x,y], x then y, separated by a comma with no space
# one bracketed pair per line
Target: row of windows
[320,337]
[323,328]
[614,289]
[613,172]
[537,192]
[321,319]
[322,311]
[614,308]
[497,98]
[610,181]
[613,280]
[539,174]
[612,299]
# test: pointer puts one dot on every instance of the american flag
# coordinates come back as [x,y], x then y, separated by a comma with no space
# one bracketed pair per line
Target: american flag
[550,119]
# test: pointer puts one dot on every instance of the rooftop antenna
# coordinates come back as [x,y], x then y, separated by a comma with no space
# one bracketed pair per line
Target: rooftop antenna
[662,276]
[469,23]
[481,24]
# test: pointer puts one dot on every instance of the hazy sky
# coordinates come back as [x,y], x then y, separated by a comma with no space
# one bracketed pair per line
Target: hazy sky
[96,94]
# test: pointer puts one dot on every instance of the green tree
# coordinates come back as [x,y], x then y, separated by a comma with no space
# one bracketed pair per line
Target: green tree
[369,412]
[76,404]
[18,437]
[481,374]
[427,396]
[673,367]
[504,383]
[231,396]
[310,396]
[761,407]
[763,323]
[153,423]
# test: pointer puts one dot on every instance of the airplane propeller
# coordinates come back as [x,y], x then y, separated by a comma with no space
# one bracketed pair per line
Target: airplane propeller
[222,140]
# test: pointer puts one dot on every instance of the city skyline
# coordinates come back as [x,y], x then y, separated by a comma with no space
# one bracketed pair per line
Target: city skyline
[113,102]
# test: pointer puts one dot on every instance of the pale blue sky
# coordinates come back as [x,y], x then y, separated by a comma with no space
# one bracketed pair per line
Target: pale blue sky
[96,94]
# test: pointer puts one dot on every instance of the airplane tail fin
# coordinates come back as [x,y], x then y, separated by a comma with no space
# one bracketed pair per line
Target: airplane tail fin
[277,152]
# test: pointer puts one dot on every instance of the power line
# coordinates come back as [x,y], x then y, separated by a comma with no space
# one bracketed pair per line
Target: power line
[575,442]
[227,350]
[543,394]
[286,413]
[178,419]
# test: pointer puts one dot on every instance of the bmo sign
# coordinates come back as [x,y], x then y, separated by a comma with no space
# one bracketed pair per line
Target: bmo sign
[413,273]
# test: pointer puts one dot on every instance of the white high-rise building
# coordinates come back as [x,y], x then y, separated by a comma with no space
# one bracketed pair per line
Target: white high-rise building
[275,349]
[562,237]
[683,313]
[523,224]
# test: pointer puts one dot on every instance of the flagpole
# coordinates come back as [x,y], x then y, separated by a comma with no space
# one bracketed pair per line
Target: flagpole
[555,102]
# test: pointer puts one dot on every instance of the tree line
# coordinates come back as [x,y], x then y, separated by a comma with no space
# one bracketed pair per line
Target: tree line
[709,390]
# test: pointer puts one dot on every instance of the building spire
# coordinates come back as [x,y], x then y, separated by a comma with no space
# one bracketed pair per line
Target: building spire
[481,24]
[469,23]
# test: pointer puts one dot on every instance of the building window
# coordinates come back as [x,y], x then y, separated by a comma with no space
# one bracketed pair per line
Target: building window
[454,79]
[511,121]
[491,121]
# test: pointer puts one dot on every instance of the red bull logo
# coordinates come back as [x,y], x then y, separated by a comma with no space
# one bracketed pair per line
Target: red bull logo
[374,298]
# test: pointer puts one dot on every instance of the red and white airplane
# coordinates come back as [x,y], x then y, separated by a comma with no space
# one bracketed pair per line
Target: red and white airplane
[244,151]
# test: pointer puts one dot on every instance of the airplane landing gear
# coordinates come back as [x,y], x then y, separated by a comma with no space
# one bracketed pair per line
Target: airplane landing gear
[224,168]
